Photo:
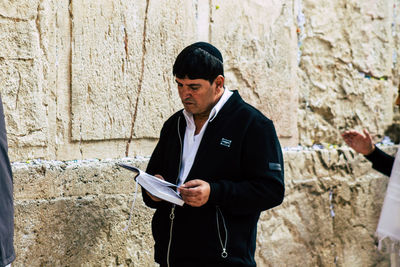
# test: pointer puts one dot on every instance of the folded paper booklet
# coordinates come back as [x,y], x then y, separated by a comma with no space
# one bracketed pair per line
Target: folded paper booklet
[155,186]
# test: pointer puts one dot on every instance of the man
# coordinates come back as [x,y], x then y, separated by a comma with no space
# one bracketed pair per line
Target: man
[7,254]
[226,157]
[388,231]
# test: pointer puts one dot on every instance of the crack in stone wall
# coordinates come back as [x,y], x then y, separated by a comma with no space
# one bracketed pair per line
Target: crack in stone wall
[140,79]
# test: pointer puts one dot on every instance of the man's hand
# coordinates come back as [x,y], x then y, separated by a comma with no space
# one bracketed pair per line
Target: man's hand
[195,192]
[150,195]
[361,143]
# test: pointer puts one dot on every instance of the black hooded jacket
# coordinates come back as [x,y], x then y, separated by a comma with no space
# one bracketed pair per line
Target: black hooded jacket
[241,158]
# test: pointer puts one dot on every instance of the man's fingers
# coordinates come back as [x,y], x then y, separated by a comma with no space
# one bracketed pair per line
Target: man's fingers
[189,192]
[192,183]
[195,192]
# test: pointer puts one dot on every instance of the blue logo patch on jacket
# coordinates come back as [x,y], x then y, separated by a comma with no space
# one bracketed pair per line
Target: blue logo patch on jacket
[225,142]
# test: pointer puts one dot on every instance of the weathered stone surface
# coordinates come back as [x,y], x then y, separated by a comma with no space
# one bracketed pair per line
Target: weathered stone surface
[24,103]
[324,221]
[19,9]
[114,72]
[101,71]
[21,79]
[345,63]
[106,60]
[164,40]
[260,57]
[82,231]
[18,40]
[56,179]
[73,213]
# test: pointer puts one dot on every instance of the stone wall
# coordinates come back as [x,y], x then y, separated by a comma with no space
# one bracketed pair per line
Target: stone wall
[73,214]
[348,69]
[85,81]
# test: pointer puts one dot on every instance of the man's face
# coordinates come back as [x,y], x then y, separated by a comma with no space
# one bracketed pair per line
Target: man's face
[198,96]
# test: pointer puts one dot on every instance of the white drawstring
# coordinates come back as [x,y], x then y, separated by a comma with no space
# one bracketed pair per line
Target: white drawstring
[133,204]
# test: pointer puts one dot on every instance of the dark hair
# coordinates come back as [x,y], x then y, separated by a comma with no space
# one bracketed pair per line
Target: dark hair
[199,61]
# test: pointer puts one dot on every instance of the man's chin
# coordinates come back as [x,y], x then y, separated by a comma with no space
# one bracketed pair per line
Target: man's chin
[189,108]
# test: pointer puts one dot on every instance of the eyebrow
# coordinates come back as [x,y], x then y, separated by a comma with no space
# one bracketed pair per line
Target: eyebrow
[190,84]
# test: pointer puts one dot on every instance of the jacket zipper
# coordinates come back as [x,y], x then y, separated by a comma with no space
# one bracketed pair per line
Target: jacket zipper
[172,214]
[224,253]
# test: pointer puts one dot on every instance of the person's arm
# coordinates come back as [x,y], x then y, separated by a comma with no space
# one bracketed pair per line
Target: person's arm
[262,168]
[362,143]
[381,161]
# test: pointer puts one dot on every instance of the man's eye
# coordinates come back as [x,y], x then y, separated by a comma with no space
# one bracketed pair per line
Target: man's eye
[194,88]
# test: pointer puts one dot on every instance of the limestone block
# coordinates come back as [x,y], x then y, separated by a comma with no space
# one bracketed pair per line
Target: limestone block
[106,56]
[73,213]
[346,59]
[259,52]
[22,79]
[303,169]
[19,9]
[122,61]
[164,40]
[97,178]
[82,231]
[24,103]
[55,179]
[306,220]
[37,181]
[18,40]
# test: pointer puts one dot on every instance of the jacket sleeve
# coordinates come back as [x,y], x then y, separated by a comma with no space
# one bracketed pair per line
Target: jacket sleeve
[381,161]
[262,186]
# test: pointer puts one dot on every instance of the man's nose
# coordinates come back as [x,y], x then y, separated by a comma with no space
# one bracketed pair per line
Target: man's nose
[185,91]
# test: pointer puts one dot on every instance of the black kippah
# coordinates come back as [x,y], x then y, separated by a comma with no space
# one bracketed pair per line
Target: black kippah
[212,50]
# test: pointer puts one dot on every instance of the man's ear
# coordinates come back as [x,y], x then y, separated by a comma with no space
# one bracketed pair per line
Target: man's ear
[219,81]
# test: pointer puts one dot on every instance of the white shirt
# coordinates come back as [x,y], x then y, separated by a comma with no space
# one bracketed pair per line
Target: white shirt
[191,141]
